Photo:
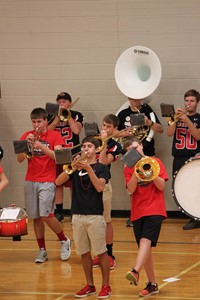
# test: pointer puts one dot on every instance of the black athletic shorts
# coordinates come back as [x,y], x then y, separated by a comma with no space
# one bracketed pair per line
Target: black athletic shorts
[148,227]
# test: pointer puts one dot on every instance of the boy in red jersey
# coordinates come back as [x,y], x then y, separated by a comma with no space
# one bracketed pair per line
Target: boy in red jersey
[70,130]
[186,137]
[147,213]
[40,182]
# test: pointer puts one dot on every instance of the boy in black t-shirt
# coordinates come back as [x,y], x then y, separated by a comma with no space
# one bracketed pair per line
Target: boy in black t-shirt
[89,227]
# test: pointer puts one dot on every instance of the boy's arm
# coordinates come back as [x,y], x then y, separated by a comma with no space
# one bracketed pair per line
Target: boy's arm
[132,184]
[159,183]
[3,181]
[21,157]
[54,123]
[104,157]
[99,183]
[62,178]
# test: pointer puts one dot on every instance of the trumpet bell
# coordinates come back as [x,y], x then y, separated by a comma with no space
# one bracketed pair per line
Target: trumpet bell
[147,169]
[138,72]
[69,169]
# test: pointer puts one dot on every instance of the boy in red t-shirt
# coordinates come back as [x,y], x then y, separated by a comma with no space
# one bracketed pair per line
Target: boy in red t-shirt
[40,182]
[147,213]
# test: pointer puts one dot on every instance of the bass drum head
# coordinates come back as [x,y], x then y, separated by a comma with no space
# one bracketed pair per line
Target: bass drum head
[186,188]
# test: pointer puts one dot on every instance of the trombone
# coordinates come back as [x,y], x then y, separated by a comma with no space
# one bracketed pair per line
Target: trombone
[147,169]
[64,114]
[104,140]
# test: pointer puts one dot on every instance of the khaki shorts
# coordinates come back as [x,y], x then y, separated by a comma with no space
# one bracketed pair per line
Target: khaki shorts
[89,233]
[107,200]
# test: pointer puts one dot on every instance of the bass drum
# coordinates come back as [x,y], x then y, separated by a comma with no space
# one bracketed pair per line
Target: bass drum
[186,188]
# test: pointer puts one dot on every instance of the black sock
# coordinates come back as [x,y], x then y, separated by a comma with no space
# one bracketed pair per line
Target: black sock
[59,208]
[109,249]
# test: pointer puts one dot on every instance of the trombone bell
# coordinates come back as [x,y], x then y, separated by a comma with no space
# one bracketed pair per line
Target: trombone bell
[147,169]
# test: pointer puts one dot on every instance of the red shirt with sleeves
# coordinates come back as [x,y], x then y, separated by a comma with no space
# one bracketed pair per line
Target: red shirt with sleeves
[42,168]
[147,200]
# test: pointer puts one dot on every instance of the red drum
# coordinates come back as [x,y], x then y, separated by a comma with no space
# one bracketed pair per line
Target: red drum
[13,221]
[186,188]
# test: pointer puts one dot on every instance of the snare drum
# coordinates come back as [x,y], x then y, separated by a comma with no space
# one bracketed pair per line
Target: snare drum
[13,221]
[186,188]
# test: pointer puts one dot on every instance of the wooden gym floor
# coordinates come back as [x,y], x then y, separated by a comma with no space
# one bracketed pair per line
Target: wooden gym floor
[177,255]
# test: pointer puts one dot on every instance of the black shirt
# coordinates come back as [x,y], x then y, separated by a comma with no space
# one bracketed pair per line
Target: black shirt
[86,200]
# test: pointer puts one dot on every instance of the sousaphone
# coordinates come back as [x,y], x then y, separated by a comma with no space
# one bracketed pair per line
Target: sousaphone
[137,74]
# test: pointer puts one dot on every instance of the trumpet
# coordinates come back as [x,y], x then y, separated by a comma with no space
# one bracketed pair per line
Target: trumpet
[29,153]
[70,168]
[65,114]
[147,169]
[174,118]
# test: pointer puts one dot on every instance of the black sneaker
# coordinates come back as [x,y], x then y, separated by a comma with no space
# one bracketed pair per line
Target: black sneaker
[149,290]
[60,217]
[191,224]
[129,223]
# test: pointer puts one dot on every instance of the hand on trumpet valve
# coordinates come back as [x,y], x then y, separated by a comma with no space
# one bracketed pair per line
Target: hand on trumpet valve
[180,115]
[30,138]
[81,162]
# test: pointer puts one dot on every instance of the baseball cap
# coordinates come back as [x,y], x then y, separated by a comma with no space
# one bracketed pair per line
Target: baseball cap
[64,95]
[1,153]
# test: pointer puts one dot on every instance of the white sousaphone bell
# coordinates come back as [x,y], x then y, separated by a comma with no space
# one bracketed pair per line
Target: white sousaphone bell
[137,74]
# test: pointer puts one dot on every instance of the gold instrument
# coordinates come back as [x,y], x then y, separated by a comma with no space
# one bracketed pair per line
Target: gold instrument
[147,169]
[29,153]
[174,118]
[65,114]
[138,72]
[103,140]
[140,132]
[70,168]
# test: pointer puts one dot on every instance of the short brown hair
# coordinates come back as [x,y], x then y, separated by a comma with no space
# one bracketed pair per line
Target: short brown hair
[39,113]
[92,140]
[129,140]
[192,93]
[111,119]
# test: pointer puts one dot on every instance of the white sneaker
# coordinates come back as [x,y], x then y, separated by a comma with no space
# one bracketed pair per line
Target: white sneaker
[42,256]
[65,249]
